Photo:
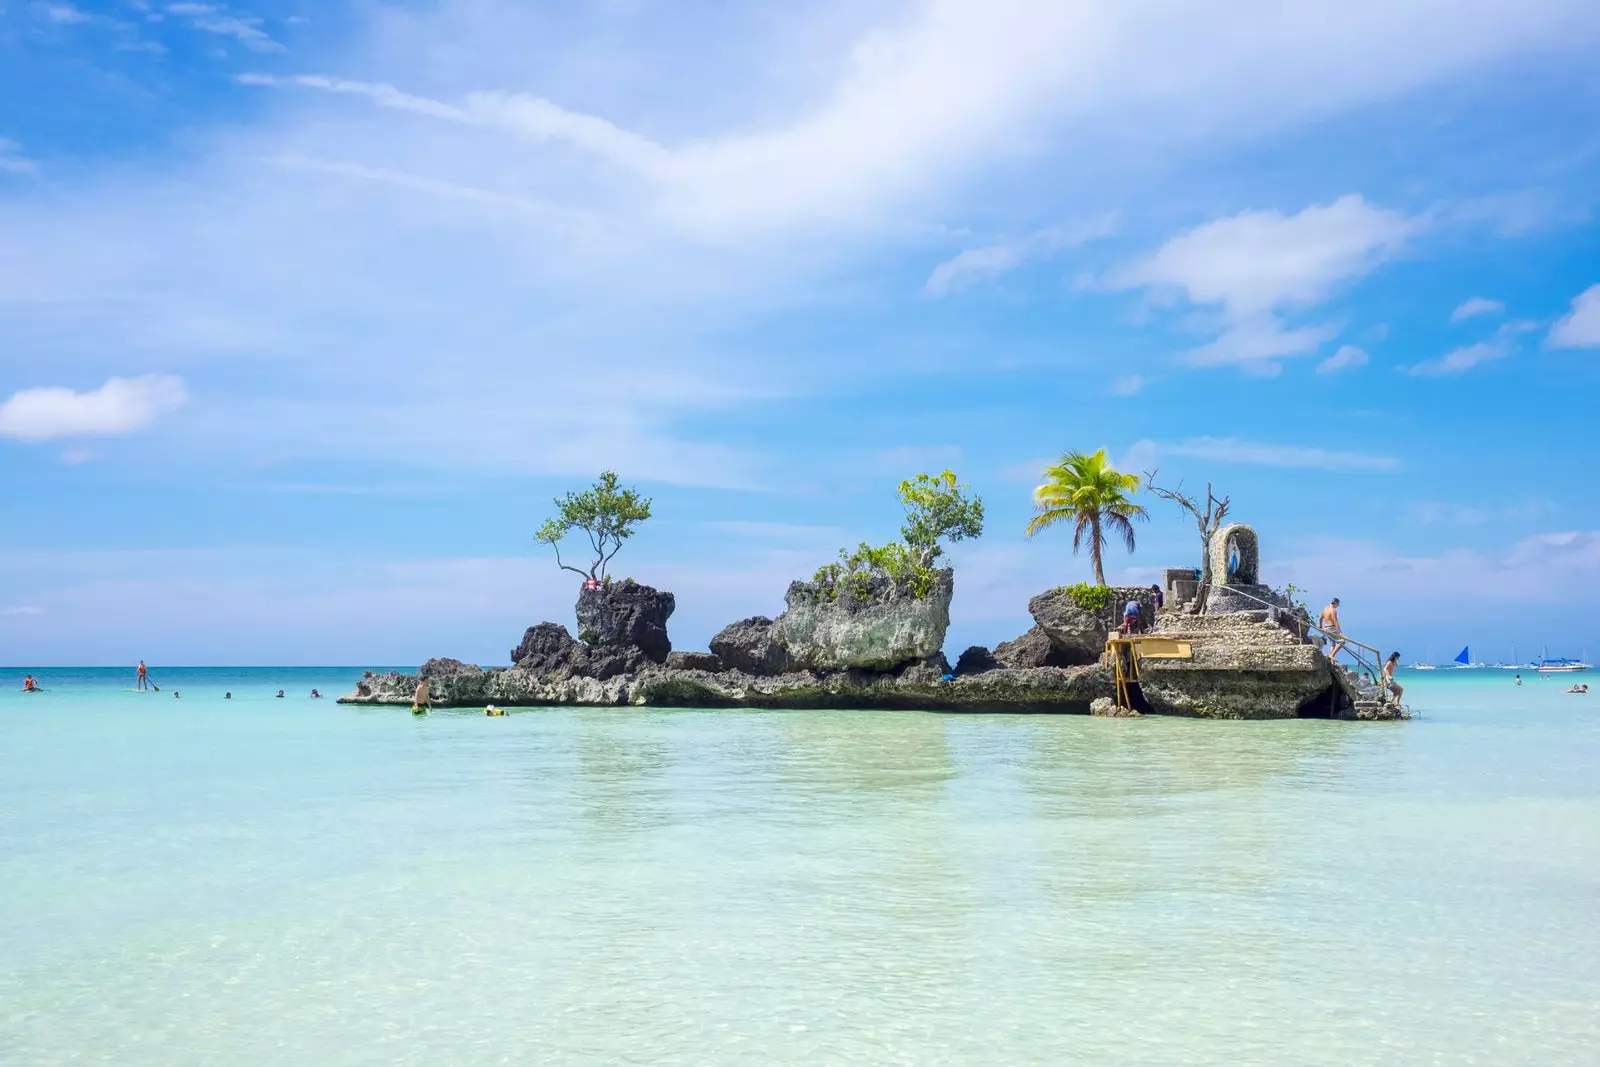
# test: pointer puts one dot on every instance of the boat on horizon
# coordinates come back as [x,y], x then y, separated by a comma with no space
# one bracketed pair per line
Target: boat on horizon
[1560,666]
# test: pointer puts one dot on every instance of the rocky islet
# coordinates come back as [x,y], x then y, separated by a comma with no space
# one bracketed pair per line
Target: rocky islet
[881,648]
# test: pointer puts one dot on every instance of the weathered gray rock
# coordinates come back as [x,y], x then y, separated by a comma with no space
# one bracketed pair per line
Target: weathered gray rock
[889,627]
[920,686]
[975,660]
[626,615]
[1106,707]
[1032,649]
[546,647]
[1079,634]
[1241,666]
[695,661]
[747,645]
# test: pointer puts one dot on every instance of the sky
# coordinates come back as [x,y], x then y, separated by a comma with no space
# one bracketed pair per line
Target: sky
[308,310]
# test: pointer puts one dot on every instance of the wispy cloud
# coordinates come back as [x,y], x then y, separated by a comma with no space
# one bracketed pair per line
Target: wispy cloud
[979,264]
[120,406]
[1234,450]
[1256,345]
[1260,261]
[1256,265]
[216,19]
[1460,360]
[63,13]
[12,161]
[1477,305]
[1128,385]
[1348,357]
[1580,327]
[22,609]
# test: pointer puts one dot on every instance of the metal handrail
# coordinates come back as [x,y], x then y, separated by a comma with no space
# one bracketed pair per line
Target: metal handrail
[1374,672]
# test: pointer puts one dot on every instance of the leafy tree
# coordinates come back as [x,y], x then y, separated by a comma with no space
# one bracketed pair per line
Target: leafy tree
[1086,490]
[937,509]
[605,513]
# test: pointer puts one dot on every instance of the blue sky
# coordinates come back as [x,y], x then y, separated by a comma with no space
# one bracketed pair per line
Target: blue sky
[307,310]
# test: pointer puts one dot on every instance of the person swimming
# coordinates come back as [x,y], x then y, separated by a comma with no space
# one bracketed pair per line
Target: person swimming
[1579,689]
[280,694]
[176,694]
[29,685]
[227,696]
[315,695]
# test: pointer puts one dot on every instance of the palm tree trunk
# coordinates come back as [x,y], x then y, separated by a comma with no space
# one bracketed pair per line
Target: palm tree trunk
[1097,545]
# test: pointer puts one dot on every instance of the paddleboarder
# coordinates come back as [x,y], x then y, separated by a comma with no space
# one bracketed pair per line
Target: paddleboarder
[144,677]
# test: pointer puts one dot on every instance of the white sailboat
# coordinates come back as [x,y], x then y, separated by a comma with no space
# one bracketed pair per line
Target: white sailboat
[1429,665]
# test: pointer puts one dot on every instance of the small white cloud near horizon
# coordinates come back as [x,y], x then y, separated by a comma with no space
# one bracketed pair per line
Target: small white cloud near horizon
[1580,327]
[22,609]
[1346,358]
[973,265]
[120,406]
[1461,360]
[1477,305]
[1127,385]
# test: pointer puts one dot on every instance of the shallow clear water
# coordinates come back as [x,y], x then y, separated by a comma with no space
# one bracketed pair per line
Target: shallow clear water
[266,881]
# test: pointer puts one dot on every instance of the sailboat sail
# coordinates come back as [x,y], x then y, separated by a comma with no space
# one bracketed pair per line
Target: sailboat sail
[1463,658]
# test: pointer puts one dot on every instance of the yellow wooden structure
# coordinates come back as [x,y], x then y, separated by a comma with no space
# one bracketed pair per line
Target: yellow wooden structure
[1126,650]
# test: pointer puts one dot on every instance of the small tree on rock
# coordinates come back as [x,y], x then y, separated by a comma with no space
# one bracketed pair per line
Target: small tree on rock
[605,512]
[938,509]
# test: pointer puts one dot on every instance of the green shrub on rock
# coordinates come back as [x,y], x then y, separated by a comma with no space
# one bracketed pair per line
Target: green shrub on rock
[938,508]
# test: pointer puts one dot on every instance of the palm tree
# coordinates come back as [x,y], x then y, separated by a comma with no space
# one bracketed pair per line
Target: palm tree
[1089,492]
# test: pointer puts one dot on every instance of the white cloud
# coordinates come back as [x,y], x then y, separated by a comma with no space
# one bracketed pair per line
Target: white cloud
[1257,344]
[12,160]
[22,609]
[210,18]
[977,264]
[1477,305]
[1461,360]
[63,13]
[120,406]
[1580,328]
[1234,450]
[1260,261]
[1346,358]
[1128,385]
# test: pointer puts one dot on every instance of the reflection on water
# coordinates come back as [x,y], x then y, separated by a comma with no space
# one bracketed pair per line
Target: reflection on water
[283,882]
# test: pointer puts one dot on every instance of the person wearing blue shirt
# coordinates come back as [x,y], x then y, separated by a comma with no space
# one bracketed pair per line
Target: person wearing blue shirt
[1132,617]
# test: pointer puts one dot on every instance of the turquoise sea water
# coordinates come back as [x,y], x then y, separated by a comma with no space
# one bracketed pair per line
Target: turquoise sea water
[266,881]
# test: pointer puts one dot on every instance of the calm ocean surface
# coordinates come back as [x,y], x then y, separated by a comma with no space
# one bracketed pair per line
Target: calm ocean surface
[266,881]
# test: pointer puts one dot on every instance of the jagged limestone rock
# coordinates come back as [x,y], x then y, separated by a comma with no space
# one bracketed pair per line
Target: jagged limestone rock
[827,630]
[695,661]
[975,660]
[1032,649]
[1079,634]
[1107,708]
[626,615]
[747,646]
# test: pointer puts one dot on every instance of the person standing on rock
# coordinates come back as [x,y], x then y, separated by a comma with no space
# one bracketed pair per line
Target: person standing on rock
[1330,623]
[421,700]
[1161,598]
[1386,679]
[1132,617]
